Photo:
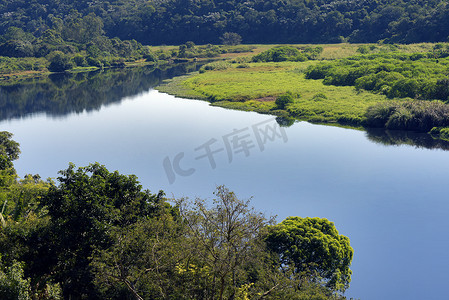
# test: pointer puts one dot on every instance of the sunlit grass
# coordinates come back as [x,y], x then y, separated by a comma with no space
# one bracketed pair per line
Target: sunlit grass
[254,86]
[242,88]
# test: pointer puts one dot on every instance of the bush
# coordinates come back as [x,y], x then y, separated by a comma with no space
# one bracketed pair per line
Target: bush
[415,115]
[319,97]
[59,62]
[17,49]
[283,100]
[397,75]
[277,54]
[80,60]
[218,65]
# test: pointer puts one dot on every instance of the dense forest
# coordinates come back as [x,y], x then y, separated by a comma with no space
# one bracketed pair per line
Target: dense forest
[256,21]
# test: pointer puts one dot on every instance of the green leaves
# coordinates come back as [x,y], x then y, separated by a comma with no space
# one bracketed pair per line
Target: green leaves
[85,208]
[313,249]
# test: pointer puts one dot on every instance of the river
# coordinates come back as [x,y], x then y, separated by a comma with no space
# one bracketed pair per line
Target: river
[386,191]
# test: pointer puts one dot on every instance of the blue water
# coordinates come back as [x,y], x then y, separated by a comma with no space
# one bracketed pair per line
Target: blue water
[391,201]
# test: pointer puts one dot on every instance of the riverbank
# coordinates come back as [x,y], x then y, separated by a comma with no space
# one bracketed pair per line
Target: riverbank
[242,84]
[255,87]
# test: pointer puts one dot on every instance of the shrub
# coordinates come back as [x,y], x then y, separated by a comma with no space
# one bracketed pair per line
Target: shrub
[415,115]
[59,62]
[80,60]
[319,97]
[283,100]
[277,54]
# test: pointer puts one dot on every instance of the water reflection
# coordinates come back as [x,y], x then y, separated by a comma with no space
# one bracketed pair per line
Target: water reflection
[397,137]
[58,95]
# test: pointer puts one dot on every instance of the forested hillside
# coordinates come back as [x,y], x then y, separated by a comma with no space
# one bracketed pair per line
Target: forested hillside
[257,21]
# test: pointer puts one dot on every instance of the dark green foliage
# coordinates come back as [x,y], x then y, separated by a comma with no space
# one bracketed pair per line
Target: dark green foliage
[284,53]
[13,285]
[84,207]
[98,235]
[14,48]
[231,38]
[8,147]
[59,62]
[9,151]
[397,75]
[283,100]
[256,21]
[312,249]
[281,53]
[319,97]
[80,60]
[409,115]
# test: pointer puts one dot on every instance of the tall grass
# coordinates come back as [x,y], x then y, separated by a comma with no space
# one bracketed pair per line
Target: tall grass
[408,115]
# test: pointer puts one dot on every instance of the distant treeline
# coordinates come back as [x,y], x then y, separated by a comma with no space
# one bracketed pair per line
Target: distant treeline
[256,21]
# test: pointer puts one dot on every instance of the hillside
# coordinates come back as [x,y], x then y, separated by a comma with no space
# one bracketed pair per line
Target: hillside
[257,21]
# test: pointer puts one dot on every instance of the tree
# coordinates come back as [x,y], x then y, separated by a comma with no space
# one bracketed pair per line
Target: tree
[227,239]
[85,208]
[143,261]
[313,250]
[17,48]
[59,62]
[9,151]
[231,38]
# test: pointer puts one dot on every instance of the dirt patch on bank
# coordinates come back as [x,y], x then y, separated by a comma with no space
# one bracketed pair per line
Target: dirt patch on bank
[266,99]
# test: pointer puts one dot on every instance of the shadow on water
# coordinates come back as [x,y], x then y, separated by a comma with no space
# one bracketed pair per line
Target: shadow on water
[61,94]
[398,137]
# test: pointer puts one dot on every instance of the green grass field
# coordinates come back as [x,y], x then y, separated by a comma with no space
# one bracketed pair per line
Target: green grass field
[240,84]
[255,87]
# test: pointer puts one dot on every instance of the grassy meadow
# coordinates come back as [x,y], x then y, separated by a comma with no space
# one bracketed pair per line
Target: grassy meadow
[255,86]
[239,83]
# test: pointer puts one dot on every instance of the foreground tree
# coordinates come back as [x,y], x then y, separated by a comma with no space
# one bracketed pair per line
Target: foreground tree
[9,150]
[85,207]
[313,250]
[194,252]
[227,237]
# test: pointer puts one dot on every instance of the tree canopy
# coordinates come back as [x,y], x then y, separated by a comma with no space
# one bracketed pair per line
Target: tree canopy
[313,249]
[256,21]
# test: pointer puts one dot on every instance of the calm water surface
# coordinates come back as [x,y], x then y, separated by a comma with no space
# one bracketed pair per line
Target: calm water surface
[390,200]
